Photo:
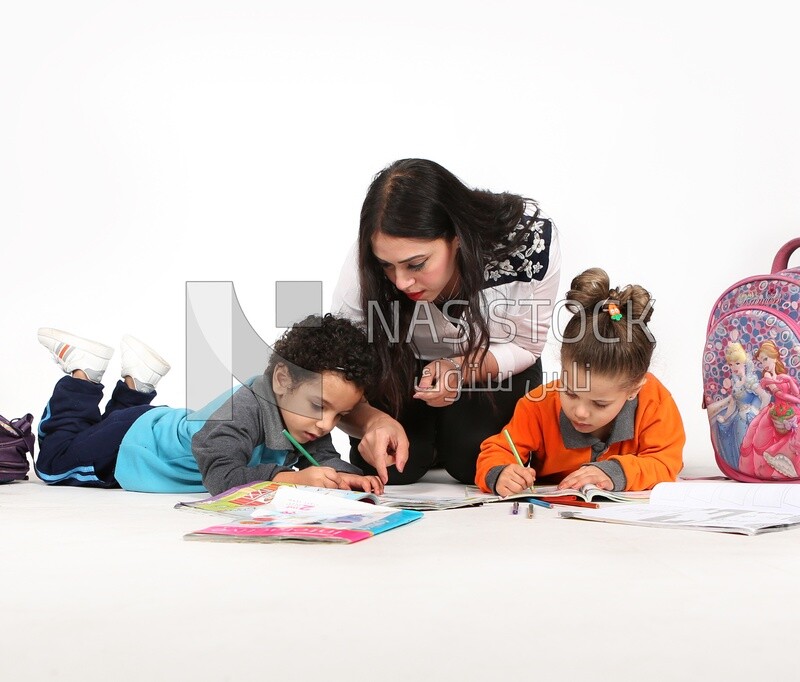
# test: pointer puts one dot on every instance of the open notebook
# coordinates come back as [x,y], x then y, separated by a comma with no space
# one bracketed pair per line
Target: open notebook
[551,493]
[725,506]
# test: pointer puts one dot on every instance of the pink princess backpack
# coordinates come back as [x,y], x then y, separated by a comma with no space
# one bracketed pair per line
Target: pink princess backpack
[751,375]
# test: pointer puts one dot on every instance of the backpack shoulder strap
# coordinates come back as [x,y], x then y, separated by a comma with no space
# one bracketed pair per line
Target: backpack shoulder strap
[24,424]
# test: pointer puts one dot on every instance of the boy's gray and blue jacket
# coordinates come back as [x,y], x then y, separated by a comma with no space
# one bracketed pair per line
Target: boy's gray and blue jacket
[234,440]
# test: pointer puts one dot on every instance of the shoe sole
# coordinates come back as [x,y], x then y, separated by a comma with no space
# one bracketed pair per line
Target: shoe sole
[99,349]
[146,355]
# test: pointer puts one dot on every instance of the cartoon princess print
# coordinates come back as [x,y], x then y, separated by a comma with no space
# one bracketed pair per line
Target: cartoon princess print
[771,446]
[731,416]
[769,358]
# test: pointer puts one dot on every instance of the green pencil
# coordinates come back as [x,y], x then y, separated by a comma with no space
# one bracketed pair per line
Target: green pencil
[300,448]
[514,450]
[513,447]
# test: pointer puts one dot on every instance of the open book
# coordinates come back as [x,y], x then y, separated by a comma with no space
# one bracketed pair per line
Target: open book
[726,507]
[273,512]
[241,500]
[551,493]
[430,497]
[431,502]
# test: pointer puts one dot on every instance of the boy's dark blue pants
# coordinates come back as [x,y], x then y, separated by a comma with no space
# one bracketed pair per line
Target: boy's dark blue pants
[78,445]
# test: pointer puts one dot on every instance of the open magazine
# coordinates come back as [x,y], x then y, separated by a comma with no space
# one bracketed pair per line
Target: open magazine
[274,512]
[726,507]
[241,500]
[551,493]
[430,497]
[431,502]
[424,498]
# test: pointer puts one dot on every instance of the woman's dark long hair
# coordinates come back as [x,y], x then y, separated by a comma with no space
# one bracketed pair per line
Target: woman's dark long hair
[419,199]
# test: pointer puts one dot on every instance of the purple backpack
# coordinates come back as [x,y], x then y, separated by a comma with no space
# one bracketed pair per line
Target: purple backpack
[751,375]
[16,441]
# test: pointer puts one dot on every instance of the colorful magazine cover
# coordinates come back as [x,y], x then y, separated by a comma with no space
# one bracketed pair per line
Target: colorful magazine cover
[274,512]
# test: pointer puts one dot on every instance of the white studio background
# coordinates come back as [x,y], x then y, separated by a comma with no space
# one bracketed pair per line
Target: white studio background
[146,144]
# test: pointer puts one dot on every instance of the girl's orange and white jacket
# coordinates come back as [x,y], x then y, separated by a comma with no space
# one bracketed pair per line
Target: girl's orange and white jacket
[645,446]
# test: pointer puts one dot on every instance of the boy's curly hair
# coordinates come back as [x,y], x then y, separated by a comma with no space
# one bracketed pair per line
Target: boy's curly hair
[325,344]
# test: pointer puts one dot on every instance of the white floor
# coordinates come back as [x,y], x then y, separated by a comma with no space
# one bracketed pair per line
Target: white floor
[100,585]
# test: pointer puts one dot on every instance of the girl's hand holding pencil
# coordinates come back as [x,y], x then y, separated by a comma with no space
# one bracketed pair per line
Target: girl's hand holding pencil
[515,478]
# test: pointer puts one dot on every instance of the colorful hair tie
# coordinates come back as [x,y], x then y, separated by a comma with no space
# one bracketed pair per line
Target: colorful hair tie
[614,311]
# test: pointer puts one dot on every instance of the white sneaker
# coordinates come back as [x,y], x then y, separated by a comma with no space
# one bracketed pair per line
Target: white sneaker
[142,364]
[73,352]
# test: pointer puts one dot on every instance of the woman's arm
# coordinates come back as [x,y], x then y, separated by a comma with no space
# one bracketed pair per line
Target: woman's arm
[383,439]
[443,379]
[520,314]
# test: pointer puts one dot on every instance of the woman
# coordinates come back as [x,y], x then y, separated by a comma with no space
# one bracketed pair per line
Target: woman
[456,287]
